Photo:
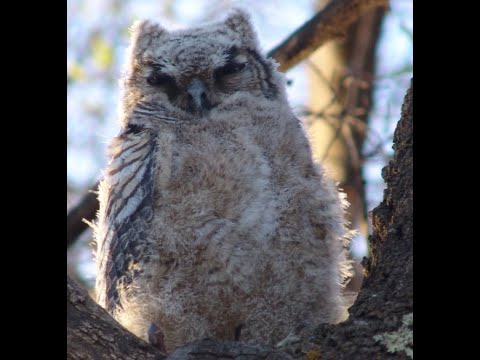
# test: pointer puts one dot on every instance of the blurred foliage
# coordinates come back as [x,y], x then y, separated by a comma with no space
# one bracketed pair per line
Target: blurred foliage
[102,52]
[76,72]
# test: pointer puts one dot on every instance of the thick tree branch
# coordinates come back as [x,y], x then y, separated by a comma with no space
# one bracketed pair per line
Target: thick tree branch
[330,23]
[208,349]
[93,334]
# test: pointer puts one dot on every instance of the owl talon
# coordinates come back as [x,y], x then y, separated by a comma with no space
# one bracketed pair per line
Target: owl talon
[156,337]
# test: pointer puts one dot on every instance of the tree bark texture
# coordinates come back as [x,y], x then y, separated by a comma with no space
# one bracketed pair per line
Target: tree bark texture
[92,334]
[381,320]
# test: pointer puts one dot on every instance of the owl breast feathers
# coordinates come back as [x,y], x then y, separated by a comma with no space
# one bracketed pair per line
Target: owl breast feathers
[212,213]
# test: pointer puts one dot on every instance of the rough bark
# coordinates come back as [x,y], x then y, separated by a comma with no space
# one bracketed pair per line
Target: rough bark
[380,323]
[92,334]
[208,349]
[324,26]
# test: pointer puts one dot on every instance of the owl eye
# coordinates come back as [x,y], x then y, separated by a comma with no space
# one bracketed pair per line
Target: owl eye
[166,83]
[160,80]
[229,69]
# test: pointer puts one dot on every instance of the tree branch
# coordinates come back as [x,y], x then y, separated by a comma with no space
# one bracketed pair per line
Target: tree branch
[93,334]
[208,349]
[330,23]
[85,209]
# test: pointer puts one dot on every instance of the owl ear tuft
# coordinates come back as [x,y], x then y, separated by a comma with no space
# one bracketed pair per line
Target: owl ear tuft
[142,33]
[239,21]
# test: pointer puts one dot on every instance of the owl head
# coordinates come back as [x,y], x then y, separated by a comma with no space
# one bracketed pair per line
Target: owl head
[193,71]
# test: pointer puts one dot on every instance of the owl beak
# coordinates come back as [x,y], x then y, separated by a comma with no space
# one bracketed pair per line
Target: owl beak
[197,96]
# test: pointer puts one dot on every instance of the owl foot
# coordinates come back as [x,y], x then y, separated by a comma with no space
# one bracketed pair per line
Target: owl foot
[155,337]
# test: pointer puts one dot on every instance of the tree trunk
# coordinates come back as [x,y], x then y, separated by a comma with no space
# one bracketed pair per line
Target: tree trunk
[340,79]
[380,323]
[341,74]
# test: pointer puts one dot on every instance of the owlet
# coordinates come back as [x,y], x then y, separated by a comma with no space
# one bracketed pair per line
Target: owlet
[213,216]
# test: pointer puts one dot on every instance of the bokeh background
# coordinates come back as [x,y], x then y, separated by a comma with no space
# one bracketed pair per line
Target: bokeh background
[348,93]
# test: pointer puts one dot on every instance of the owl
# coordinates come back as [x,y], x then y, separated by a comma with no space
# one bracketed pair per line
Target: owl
[214,221]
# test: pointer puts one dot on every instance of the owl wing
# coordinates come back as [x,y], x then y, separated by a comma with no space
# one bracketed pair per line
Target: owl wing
[126,214]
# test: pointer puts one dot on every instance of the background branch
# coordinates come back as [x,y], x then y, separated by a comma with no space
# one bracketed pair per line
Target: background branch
[330,23]
[85,209]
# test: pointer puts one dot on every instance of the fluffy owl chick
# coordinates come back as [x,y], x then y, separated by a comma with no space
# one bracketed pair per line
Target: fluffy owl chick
[212,214]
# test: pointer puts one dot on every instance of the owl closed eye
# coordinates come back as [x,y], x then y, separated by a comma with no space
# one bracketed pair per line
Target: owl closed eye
[193,72]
